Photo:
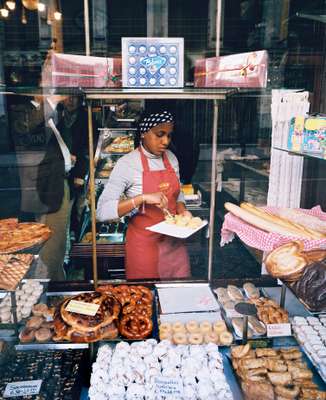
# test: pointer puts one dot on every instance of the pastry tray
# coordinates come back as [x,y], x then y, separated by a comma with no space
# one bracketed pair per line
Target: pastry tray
[312,312]
[317,367]
[228,318]
[316,377]
[28,272]
[175,231]
[55,297]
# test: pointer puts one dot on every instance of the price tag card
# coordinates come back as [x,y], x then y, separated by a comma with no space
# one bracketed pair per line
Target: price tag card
[80,307]
[23,388]
[168,387]
[274,330]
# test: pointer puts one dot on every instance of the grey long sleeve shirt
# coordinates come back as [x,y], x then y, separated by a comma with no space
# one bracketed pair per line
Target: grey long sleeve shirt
[127,178]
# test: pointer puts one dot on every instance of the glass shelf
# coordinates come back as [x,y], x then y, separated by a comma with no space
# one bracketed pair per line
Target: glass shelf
[186,93]
[303,153]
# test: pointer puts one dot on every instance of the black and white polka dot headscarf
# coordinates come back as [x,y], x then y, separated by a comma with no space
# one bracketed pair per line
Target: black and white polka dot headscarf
[154,119]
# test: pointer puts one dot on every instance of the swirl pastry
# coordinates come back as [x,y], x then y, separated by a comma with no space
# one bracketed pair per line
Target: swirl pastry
[287,261]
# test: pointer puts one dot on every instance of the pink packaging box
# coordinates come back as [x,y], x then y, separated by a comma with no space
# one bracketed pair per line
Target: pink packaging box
[68,70]
[247,70]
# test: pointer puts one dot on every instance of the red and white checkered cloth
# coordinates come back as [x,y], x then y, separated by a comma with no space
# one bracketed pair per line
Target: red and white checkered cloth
[258,239]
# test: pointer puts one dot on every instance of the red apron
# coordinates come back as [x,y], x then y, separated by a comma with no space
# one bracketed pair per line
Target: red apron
[150,254]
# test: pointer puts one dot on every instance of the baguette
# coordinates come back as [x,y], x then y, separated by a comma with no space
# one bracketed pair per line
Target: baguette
[265,223]
[281,221]
[308,221]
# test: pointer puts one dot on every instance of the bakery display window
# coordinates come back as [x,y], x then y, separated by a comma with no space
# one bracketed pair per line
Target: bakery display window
[226,181]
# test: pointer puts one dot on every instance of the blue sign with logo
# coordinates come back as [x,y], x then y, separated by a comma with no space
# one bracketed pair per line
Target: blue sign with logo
[152,62]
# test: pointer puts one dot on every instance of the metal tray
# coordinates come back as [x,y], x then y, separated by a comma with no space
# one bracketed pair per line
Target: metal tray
[49,300]
[312,312]
[317,366]
[316,377]
[229,322]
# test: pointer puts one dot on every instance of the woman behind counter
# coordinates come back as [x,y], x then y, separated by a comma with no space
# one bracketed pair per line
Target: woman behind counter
[149,178]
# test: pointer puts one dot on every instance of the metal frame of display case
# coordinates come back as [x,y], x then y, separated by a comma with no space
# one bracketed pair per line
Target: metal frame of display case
[216,95]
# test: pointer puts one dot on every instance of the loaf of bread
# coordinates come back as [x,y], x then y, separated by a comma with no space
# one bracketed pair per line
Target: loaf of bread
[298,217]
[267,222]
[272,223]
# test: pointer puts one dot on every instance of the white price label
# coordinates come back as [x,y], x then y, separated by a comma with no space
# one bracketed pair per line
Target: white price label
[169,387]
[23,388]
[274,330]
[80,307]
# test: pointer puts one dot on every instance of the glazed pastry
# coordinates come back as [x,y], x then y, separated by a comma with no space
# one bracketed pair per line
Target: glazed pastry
[180,338]
[192,326]
[43,335]
[252,363]
[275,365]
[219,327]
[258,391]
[27,335]
[165,326]
[251,291]
[280,378]
[195,338]
[257,327]
[266,353]
[237,324]
[226,338]
[211,337]
[34,322]
[165,335]
[178,327]
[205,327]
[40,310]
[240,351]
[235,293]
[287,392]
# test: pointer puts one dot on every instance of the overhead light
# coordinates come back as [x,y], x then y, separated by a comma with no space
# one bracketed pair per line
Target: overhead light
[41,7]
[57,15]
[4,12]
[11,5]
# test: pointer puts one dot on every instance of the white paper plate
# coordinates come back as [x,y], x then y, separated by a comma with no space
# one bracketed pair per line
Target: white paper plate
[173,230]
[187,299]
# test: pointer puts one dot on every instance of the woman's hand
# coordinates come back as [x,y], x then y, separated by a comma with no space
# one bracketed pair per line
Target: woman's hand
[158,199]
[186,213]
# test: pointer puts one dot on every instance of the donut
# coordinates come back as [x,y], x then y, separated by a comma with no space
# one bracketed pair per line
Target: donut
[39,310]
[34,322]
[180,338]
[178,327]
[205,327]
[219,327]
[226,338]
[166,326]
[27,335]
[165,335]
[192,326]
[196,338]
[43,335]
[211,337]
